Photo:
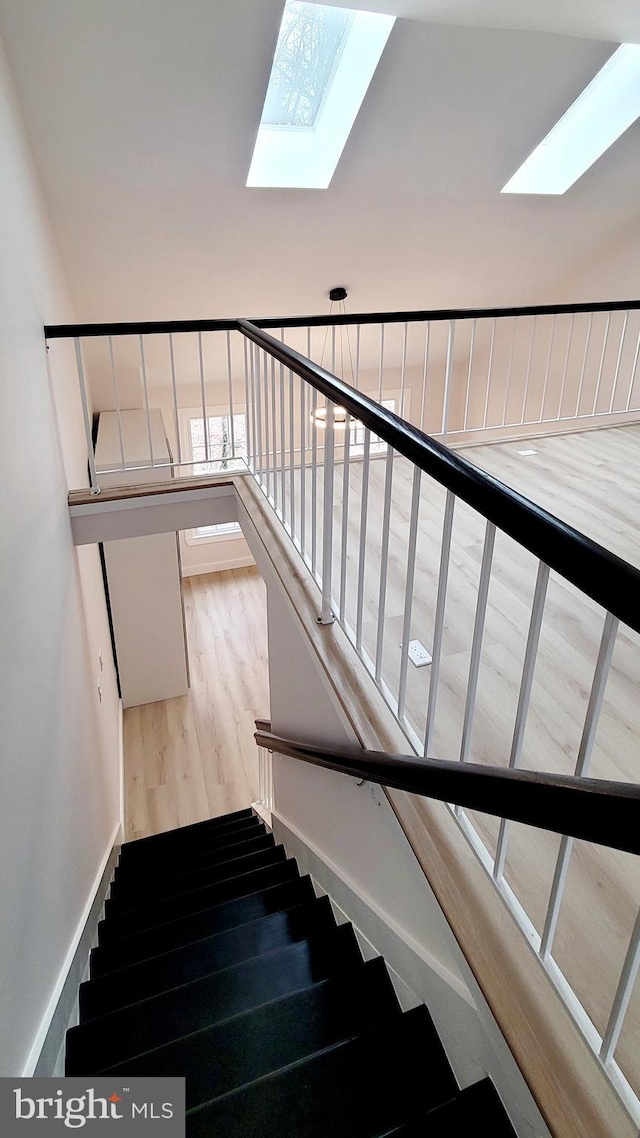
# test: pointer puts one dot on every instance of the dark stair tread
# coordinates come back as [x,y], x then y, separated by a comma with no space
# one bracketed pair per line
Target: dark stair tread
[163,912]
[196,926]
[191,1007]
[151,861]
[129,879]
[202,958]
[476,1108]
[248,1046]
[357,1089]
[188,882]
[185,836]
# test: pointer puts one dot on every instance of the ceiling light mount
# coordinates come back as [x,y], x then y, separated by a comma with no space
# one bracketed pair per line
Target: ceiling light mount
[339,293]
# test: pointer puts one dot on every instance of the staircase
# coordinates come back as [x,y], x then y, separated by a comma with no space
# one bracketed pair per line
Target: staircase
[217,961]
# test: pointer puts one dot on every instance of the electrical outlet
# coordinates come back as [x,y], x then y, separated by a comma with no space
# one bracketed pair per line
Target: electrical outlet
[418,654]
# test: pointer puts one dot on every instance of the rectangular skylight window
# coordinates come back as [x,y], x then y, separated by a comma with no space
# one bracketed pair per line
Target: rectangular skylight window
[324,61]
[604,110]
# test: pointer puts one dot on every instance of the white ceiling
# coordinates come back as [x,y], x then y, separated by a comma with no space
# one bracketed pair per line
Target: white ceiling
[143,114]
[615,20]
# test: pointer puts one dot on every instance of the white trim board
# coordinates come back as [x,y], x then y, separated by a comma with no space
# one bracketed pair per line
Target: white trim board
[121,766]
[295,837]
[58,1013]
[472,1040]
[218,566]
[149,514]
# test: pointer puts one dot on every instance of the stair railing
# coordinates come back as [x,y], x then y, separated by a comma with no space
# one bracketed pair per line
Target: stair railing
[382,515]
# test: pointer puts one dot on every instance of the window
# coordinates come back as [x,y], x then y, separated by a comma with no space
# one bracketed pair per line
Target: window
[224,438]
[356,435]
[324,61]
[224,531]
[310,43]
[604,110]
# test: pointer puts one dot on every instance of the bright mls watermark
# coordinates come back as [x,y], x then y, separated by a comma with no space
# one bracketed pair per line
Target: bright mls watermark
[130,1108]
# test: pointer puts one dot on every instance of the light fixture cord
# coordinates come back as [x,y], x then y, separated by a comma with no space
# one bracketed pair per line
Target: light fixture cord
[326,334]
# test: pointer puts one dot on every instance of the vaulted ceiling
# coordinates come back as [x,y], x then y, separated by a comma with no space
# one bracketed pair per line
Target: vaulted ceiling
[142,116]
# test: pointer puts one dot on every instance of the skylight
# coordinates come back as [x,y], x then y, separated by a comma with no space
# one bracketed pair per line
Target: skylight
[604,110]
[324,61]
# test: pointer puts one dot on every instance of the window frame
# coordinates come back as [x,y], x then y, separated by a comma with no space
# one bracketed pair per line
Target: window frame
[185,415]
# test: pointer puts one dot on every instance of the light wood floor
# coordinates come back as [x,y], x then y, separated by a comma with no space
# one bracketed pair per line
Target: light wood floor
[194,757]
[591,480]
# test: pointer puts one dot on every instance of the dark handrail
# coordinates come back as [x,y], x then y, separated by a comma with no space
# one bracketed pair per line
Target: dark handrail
[595,810]
[138,328]
[606,578]
[440,314]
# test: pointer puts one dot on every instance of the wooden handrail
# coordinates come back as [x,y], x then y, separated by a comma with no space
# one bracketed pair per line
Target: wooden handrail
[595,810]
[411,316]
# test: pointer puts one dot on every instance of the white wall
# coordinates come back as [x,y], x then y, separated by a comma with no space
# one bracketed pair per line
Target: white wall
[347,836]
[610,272]
[59,775]
[214,555]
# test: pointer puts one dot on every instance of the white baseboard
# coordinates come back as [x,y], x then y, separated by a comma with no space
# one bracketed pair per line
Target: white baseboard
[328,874]
[59,1012]
[121,763]
[473,1043]
[218,566]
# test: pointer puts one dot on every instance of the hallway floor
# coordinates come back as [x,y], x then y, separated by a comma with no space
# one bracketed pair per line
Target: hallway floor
[194,757]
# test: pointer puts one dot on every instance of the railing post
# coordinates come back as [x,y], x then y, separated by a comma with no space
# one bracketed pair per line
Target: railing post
[314,481]
[116,401]
[326,614]
[425,369]
[230,381]
[438,628]
[203,398]
[248,404]
[592,718]
[524,697]
[145,385]
[346,479]
[175,398]
[476,643]
[93,478]
[446,397]
[362,551]
[623,995]
[384,562]
[303,468]
[408,589]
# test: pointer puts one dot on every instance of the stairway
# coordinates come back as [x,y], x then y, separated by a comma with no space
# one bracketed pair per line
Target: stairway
[216,961]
